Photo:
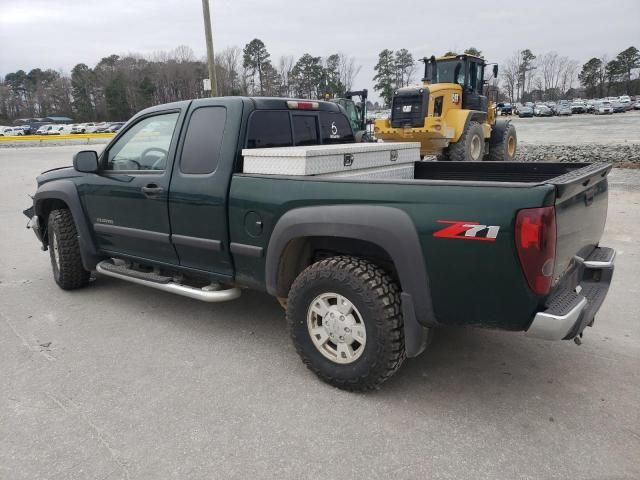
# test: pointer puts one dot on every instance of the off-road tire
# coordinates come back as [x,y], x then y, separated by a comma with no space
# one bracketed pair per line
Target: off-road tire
[461,150]
[503,148]
[377,298]
[68,271]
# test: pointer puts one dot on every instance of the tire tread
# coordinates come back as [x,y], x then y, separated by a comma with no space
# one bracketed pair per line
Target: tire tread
[72,274]
[363,277]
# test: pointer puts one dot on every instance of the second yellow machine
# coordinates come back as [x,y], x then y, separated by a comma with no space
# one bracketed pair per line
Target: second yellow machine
[449,114]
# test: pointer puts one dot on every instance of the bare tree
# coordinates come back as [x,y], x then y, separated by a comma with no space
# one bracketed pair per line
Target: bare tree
[568,75]
[228,72]
[285,66]
[182,54]
[348,70]
[510,76]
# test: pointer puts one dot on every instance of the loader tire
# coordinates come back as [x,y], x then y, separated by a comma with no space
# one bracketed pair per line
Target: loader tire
[503,143]
[469,147]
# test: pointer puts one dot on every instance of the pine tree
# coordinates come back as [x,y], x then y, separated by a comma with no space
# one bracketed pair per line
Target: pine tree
[385,75]
[255,58]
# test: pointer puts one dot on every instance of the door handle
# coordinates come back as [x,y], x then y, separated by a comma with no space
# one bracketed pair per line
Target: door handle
[152,189]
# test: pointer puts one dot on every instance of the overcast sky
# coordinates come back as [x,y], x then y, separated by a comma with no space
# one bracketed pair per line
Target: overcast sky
[60,34]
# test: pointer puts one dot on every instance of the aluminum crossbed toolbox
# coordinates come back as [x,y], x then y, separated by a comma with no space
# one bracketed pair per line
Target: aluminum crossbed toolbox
[323,159]
[403,171]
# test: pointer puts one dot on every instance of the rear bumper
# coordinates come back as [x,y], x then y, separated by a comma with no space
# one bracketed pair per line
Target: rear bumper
[574,307]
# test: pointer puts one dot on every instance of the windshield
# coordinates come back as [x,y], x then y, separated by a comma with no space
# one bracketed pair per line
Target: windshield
[450,71]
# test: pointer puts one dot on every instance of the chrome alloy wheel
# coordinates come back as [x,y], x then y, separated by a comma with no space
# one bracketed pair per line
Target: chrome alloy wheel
[336,328]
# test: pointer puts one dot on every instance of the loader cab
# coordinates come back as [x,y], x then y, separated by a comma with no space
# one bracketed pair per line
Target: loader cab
[464,70]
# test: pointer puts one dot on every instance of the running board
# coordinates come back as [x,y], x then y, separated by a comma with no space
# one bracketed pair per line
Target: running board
[206,294]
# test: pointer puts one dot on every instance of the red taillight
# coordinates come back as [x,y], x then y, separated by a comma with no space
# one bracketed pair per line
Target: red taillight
[536,245]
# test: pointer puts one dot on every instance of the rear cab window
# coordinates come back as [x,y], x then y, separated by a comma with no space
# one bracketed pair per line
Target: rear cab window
[286,128]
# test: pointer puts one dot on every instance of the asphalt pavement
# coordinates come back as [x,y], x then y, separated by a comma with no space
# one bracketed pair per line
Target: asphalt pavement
[120,381]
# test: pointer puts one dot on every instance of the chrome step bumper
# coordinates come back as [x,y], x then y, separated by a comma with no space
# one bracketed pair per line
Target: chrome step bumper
[571,311]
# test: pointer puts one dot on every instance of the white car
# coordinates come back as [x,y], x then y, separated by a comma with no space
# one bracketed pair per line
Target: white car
[60,130]
[83,128]
[44,129]
[11,131]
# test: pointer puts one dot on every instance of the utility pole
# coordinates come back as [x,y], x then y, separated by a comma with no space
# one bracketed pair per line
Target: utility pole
[209,38]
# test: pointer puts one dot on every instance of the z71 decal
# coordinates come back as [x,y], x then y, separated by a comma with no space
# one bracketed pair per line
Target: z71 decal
[468,231]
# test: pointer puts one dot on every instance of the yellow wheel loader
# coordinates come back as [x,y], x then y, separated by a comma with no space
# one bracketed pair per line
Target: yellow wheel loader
[449,114]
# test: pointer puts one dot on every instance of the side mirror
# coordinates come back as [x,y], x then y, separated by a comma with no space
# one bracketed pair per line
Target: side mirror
[495,71]
[86,161]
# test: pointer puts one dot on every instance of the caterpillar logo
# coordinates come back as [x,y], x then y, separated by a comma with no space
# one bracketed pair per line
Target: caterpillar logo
[455,97]
[468,231]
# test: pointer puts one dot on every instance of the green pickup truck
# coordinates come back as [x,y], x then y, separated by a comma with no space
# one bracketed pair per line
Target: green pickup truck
[365,268]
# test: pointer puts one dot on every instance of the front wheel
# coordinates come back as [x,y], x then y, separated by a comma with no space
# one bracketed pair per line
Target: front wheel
[64,250]
[469,147]
[345,321]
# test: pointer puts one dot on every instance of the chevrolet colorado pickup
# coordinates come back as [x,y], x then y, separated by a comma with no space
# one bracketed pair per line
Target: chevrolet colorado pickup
[365,268]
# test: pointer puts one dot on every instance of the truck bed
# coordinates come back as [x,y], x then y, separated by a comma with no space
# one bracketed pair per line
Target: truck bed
[517,172]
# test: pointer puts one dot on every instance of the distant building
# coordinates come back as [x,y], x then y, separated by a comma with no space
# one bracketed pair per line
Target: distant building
[42,121]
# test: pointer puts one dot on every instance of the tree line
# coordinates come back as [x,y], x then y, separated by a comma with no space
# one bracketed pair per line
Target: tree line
[549,76]
[118,86]
[525,76]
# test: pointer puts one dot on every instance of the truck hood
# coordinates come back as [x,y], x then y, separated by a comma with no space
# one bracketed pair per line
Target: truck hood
[56,174]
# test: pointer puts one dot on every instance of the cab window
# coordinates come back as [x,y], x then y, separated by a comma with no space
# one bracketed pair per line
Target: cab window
[269,129]
[202,142]
[145,146]
[335,128]
[305,129]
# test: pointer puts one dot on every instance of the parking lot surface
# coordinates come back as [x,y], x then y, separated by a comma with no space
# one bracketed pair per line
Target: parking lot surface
[120,381]
[618,128]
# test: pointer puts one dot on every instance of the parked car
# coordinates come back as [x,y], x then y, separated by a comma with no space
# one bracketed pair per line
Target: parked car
[44,129]
[603,108]
[505,109]
[578,107]
[102,127]
[60,130]
[99,127]
[11,131]
[114,127]
[366,269]
[83,128]
[525,112]
[618,107]
[636,106]
[564,109]
[542,111]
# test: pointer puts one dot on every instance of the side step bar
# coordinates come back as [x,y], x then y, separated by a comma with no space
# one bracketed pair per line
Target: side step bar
[206,294]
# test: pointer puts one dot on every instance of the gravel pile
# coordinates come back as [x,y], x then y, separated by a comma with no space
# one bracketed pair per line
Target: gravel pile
[625,155]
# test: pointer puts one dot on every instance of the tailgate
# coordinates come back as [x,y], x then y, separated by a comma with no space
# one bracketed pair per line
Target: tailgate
[581,211]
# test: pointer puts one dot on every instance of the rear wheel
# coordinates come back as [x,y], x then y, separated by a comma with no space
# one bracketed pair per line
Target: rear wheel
[345,321]
[503,143]
[469,147]
[64,250]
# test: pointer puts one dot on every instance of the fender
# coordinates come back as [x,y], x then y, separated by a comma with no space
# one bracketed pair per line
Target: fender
[65,190]
[389,228]
[459,119]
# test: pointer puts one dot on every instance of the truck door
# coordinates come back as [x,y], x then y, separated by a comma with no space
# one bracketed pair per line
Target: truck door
[200,185]
[127,201]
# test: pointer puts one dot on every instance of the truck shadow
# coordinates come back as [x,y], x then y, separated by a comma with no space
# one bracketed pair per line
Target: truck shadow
[461,364]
